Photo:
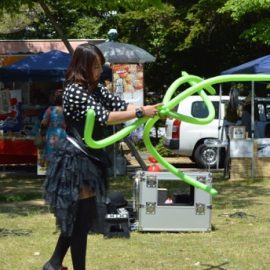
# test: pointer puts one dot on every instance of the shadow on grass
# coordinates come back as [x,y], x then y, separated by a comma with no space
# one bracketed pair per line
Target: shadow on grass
[17,209]
[21,194]
[14,232]
[17,189]
[240,194]
[212,267]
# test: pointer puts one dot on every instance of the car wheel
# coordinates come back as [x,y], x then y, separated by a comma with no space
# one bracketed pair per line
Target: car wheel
[205,156]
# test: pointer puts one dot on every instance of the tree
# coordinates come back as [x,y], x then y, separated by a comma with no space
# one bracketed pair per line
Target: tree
[14,6]
[15,22]
[255,13]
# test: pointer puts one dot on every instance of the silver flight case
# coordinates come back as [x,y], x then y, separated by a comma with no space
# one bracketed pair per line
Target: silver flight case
[162,202]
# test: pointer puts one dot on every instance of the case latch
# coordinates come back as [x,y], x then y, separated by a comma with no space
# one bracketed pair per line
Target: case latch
[200,209]
[151,181]
[150,208]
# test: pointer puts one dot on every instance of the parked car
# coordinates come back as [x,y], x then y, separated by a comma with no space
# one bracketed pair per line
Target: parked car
[187,139]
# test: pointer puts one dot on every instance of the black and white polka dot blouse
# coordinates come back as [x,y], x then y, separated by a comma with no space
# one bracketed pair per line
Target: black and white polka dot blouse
[77,100]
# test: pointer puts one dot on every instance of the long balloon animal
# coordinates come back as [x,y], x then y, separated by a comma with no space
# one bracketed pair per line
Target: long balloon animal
[198,86]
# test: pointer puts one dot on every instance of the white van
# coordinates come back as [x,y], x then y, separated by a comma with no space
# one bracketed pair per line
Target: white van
[187,139]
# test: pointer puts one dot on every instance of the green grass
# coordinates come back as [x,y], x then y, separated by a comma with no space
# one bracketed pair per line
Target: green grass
[239,239]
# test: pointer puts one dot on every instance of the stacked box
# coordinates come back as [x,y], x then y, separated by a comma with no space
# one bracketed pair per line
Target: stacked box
[240,168]
[262,158]
[255,165]
[262,167]
[163,202]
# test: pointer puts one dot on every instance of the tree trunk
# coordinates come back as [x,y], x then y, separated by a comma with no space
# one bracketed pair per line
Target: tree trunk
[55,24]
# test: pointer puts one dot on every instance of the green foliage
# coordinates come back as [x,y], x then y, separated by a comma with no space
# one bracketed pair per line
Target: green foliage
[123,4]
[258,32]
[15,22]
[200,18]
[162,150]
[255,14]
[13,6]
[238,9]
[86,27]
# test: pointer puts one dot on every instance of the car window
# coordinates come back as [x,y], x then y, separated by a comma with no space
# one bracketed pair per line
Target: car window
[199,109]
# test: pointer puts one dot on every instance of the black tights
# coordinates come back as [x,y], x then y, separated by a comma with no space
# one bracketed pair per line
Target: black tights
[78,240]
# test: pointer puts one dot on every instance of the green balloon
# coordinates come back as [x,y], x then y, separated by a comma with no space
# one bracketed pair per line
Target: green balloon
[197,86]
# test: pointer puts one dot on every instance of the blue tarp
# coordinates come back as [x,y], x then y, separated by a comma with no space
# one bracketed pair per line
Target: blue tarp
[257,66]
[50,66]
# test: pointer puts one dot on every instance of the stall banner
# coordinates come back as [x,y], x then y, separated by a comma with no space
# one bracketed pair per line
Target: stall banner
[10,110]
[241,148]
[128,82]
[263,147]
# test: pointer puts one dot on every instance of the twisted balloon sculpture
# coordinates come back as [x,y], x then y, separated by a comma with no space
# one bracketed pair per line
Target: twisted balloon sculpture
[198,86]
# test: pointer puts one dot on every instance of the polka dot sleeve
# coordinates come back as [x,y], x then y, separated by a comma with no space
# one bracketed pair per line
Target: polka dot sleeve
[76,102]
[110,101]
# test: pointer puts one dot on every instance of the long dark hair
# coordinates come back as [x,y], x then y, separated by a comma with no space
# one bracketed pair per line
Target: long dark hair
[82,63]
[58,97]
[233,105]
[234,99]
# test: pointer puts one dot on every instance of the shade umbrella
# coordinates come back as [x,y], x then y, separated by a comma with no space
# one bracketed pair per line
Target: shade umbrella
[124,53]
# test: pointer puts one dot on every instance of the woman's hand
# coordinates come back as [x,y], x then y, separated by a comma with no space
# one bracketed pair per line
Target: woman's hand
[151,110]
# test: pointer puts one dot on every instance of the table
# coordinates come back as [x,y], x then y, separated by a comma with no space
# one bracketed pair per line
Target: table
[15,150]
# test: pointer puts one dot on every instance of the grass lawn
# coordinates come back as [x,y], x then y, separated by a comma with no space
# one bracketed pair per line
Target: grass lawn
[239,240]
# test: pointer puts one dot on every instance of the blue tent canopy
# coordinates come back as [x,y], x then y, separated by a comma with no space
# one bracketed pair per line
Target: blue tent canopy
[259,65]
[50,66]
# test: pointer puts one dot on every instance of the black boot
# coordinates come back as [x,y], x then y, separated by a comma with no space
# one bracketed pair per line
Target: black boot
[49,266]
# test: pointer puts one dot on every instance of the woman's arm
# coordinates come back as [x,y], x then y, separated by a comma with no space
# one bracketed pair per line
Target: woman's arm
[46,119]
[116,117]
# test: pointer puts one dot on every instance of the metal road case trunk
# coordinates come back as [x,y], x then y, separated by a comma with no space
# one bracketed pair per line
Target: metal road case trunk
[162,202]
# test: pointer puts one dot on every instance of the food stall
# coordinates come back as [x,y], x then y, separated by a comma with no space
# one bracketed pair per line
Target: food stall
[15,147]
[26,90]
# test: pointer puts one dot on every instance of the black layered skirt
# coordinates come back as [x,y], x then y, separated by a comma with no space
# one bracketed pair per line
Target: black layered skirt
[69,170]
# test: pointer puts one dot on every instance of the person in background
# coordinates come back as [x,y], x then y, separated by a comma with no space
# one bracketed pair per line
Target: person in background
[76,177]
[232,118]
[246,115]
[107,76]
[53,125]
[233,113]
